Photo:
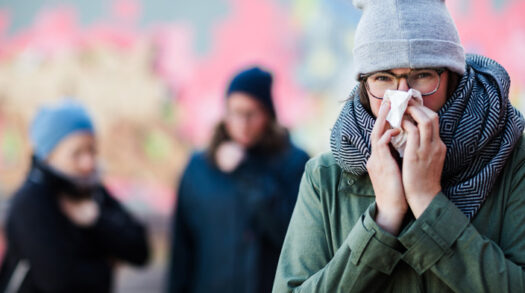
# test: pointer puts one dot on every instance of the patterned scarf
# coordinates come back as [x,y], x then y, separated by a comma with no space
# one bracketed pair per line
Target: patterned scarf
[478,125]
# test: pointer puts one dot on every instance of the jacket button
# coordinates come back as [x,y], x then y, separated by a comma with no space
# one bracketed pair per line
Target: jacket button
[351,181]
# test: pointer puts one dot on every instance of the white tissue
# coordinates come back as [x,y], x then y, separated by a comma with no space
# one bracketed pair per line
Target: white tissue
[398,105]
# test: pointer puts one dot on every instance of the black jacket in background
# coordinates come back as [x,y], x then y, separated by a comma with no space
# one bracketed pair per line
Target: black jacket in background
[229,228]
[64,257]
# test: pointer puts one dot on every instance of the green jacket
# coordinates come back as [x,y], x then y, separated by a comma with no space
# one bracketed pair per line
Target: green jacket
[334,245]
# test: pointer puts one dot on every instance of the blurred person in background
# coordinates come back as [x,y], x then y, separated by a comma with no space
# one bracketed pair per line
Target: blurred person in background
[235,199]
[65,232]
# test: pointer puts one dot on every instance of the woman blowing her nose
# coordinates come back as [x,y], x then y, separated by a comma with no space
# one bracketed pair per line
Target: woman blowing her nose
[446,217]
[65,232]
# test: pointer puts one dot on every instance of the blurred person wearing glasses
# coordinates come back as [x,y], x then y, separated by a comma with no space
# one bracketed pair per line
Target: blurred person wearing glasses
[444,214]
[235,199]
[65,232]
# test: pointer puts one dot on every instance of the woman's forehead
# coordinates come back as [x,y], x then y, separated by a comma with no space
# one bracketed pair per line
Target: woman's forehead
[399,70]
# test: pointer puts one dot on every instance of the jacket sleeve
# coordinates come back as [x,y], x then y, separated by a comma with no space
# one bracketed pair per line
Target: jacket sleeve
[35,232]
[276,195]
[443,241]
[182,245]
[122,236]
[309,264]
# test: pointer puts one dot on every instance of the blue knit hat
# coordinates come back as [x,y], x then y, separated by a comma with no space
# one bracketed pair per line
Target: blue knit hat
[406,34]
[54,123]
[255,82]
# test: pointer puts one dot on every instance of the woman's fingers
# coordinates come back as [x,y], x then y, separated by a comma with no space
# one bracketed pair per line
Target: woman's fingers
[387,182]
[387,136]
[435,121]
[380,124]
[413,138]
[423,164]
[424,124]
[382,146]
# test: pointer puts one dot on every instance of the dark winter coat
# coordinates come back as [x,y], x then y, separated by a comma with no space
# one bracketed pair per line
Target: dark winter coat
[228,228]
[62,256]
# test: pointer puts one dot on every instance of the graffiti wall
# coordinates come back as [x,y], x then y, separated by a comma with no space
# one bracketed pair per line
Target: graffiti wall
[153,72]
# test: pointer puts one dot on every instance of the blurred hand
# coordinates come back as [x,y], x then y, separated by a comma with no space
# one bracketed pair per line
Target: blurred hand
[229,155]
[424,158]
[83,212]
[385,175]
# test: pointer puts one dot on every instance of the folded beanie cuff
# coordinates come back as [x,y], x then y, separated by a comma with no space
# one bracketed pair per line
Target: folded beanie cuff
[46,146]
[415,53]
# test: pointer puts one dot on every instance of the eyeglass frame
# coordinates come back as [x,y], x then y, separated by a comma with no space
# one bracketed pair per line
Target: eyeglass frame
[364,77]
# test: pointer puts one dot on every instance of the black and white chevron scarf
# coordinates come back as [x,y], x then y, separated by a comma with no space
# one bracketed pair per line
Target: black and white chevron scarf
[478,125]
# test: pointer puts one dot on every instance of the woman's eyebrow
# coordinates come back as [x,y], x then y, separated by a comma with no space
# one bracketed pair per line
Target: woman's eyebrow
[386,71]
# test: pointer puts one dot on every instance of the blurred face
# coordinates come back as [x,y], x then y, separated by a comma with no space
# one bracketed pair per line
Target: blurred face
[75,155]
[246,119]
[434,101]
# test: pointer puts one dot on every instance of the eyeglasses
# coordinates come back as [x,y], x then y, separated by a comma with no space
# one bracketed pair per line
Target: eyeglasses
[424,80]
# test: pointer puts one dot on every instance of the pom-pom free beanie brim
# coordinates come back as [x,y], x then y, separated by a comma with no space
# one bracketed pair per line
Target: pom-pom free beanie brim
[406,34]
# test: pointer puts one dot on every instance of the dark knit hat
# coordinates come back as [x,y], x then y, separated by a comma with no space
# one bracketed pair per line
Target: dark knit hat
[256,83]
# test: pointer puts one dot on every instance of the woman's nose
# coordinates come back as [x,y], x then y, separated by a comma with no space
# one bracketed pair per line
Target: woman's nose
[87,164]
[403,85]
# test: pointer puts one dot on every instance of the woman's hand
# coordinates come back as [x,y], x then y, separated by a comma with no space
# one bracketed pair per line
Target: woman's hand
[424,158]
[82,212]
[229,156]
[385,175]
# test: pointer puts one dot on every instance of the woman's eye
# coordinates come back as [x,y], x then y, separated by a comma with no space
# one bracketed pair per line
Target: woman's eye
[383,78]
[422,75]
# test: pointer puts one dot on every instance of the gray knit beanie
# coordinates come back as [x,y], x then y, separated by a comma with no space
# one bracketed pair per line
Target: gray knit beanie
[406,34]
